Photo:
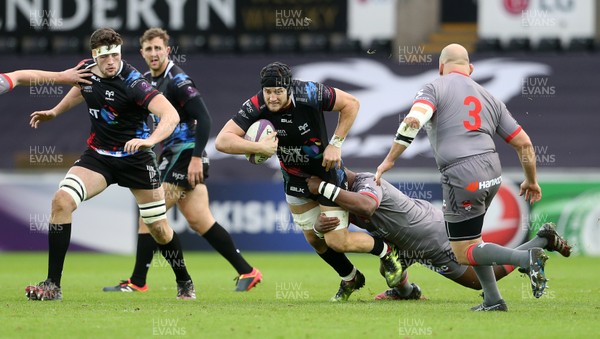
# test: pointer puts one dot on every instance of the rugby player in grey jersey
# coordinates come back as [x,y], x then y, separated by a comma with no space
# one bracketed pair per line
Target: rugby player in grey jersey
[461,118]
[416,227]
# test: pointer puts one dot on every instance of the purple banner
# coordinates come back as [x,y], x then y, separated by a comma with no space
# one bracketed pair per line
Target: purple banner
[552,97]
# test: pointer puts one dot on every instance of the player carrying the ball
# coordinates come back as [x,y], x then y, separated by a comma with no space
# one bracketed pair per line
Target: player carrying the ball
[295,108]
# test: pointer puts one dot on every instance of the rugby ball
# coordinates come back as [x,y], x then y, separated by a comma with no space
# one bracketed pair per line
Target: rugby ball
[259,130]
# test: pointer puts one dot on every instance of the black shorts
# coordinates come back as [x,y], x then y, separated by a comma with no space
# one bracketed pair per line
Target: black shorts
[138,171]
[298,187]
[174,162]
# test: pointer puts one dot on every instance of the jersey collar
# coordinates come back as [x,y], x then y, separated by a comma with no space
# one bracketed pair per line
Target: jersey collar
[461,73]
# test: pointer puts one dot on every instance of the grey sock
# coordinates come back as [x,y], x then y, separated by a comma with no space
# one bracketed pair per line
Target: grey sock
[535,242]
[405,290]
[491,254]
[491,294]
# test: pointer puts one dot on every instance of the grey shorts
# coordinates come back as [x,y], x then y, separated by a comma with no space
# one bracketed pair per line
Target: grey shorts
[469,185]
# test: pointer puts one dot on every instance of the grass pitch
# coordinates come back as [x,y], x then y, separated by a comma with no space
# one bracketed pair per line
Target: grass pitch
[291,302]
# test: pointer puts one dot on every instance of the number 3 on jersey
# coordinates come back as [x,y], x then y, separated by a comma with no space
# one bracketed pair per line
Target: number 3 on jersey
[474,113]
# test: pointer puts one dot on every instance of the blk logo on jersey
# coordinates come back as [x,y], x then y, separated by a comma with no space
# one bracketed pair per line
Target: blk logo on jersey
[474,185]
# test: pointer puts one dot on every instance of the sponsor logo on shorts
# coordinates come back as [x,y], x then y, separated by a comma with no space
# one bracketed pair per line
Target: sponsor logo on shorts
[297,189]
[178,176]
[474,185]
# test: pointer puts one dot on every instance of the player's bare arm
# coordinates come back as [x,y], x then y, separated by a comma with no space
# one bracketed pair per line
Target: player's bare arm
[71,76]
[169,118]
[419,114]
[74,76]
[355,203]
[72,99]
[524,147]
[326,224]
[347,105]
[231,140]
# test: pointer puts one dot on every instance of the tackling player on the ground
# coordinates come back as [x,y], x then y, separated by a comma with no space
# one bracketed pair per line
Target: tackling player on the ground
[462,118]
[417,228]
[30,77]
[295,108]
[120,151]
[183,166]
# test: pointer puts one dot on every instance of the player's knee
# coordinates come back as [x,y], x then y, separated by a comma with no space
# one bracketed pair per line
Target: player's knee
[198,225]
[153,212]
[71,191]
[62,202]
[317,243]
[337,241]
[306,220]
[154,215]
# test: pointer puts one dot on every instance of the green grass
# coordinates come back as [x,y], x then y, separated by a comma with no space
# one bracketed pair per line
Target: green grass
[292,302]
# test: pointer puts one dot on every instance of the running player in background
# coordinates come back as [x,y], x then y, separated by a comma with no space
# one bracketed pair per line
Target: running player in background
[462,117]
[30,77]
[183,166]
[417,228]
[295,108]
[120,151]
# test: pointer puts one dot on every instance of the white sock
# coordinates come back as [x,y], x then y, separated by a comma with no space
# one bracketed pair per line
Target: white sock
[385,250]
[350,276]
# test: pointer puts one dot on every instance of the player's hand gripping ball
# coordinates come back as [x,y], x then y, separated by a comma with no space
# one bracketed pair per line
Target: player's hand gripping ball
[258,131]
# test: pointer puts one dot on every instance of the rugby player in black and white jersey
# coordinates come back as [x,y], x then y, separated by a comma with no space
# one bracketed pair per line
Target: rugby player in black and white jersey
[75,76]
[295,108]
[183,166]
[119,151]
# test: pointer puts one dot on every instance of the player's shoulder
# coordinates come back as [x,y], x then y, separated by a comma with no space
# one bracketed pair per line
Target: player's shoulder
[130,74]
[86,63]
[364,179]
[307,92]
[178,77]
[254,105]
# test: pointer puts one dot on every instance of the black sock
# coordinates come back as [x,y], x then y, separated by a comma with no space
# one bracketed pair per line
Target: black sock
[143,258]
[59,237]
[174,255]
[377,247]
[339,261]
[221,241]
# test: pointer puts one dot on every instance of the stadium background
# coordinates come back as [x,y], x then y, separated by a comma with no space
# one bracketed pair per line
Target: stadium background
[539,56]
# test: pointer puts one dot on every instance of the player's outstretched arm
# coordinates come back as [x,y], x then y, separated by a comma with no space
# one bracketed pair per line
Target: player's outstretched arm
[169,118]
[395,151]
[420,113]
[31,77]
[74,76]
[72,99]
[347,105]
[354,202]
[230,140]
[524,147]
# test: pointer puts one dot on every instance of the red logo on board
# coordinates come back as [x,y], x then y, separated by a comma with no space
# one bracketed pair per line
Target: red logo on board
[515,6]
